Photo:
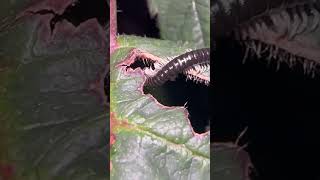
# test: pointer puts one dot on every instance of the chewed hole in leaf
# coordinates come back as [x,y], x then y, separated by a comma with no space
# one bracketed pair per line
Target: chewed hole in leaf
[179,90]
[77,12]
[194,97]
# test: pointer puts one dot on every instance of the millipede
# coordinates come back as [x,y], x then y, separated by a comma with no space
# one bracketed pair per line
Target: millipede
[178,65]
[284,31]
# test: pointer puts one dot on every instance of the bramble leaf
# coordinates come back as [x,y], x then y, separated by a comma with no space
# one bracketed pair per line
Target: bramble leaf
[149,140]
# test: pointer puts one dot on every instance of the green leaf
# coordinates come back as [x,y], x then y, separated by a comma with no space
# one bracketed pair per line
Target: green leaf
[186,20]
[151,141]
[52,106]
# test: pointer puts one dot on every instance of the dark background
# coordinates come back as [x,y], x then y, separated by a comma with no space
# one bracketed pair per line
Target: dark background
[280,109]
[134,19]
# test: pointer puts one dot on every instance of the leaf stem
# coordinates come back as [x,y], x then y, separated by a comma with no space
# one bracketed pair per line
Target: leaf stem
[113,26]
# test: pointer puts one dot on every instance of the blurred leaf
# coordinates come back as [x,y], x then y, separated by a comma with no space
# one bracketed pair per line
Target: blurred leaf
[230,162]
[52,106]
[186,20]
[151,141]
[10,8]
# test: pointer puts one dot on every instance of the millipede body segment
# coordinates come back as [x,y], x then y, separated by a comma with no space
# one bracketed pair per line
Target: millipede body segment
[179,65]
[284,31]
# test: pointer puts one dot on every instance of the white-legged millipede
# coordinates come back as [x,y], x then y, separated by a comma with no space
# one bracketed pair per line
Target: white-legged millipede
[178,65]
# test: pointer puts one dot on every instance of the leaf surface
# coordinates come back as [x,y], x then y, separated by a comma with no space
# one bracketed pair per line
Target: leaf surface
[151,141]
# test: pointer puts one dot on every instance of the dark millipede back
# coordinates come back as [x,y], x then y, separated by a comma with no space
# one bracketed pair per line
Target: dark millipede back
[178,65]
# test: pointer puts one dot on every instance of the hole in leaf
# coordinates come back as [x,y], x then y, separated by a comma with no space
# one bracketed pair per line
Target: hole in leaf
[180,92]
[79,12]
[86,9]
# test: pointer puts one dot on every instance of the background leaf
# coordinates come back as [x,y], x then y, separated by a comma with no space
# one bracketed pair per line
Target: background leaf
[183,20]
[230,162]
[52,105]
